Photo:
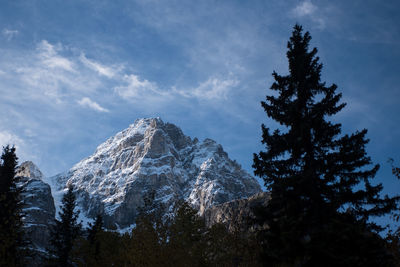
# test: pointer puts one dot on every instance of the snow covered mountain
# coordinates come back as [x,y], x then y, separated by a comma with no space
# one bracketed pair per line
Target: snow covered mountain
[153,157]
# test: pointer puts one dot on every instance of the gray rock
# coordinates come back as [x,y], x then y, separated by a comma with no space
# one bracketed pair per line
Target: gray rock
[237,215]
[30,170]
[38,209]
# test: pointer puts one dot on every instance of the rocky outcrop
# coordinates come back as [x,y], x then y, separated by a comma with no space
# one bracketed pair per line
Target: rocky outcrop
[238,215]
[38,209]
[153,156]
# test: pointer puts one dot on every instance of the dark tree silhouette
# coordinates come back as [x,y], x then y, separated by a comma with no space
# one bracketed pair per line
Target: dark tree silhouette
[186,241]
[89,250]
[393,235]
[65,231]
[95,229]
[11,231]
[320,182]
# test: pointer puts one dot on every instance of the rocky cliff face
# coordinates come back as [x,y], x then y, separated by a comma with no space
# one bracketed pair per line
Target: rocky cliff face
[238,215]
[153,156]
[38,209]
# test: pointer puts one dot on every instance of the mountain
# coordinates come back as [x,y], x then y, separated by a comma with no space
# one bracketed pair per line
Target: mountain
[38,208]
[153,158]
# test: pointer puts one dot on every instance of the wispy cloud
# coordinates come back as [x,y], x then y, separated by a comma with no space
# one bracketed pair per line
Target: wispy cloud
[45,74]
[211,89]
[87,102]
[9,34]
[215,88]
[56,74]
[99,68]
[7,138]
[306,9]
[22,150]
[51,59]
[135,87]
[52,73]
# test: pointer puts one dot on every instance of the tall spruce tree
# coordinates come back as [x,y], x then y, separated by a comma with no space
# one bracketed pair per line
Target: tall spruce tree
[65,231]
[11,231]
[320,182]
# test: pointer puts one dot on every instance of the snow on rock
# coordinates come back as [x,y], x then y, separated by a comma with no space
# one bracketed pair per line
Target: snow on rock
[153,156]
[38,208]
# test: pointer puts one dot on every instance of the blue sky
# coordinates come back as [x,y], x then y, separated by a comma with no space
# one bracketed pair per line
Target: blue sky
[73,73]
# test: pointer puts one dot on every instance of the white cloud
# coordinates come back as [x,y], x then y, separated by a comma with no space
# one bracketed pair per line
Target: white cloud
[99,68]
[24,149]
[56,75]
[10,34]
[51,59]
[136,87]
[306,9]
[87,102]
[7,138]
[50,73]
[212,89]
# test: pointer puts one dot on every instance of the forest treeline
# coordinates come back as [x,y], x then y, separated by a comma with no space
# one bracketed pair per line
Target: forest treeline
[323,198]
[183,240]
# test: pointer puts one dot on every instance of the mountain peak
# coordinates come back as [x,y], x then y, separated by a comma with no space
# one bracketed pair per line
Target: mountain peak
[30,170]
[151,121]
[153,156]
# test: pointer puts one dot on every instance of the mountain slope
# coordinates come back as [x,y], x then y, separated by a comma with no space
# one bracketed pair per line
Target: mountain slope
[154,157]
[239,214]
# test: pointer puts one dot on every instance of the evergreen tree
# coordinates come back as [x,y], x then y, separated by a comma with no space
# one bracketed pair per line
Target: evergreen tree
[65,231]
[89,251]
[11,231]
[186,238]
[146,246]
[225,248]
[95,229]
[321,192]
[94,234]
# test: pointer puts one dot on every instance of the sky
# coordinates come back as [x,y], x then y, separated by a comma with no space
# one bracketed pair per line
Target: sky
[74,73]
